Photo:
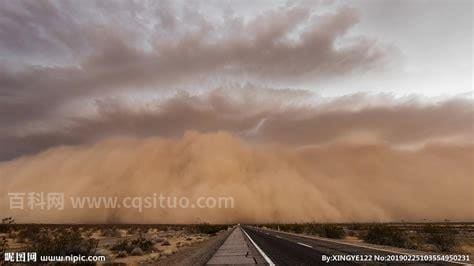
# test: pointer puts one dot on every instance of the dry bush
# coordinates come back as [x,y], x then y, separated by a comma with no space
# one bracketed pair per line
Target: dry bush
[323,230]
[62,241]
[383,234]
[205,228]
[110,232]
[128,245]
[6,225]
[28,232]
[442,237]
[5,228]
[3,247]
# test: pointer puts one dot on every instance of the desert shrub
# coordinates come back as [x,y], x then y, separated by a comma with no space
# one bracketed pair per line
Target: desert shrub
[123,245]
[386,235]
[137,252]
[353,233]
[29,232]
[323,230]
[110,232]
[294,227]
[12,234]
[298,228]
[62,241]
[6,224]
[3,247]
[88,233]
[311,229]
[134,230]
[5,227]
[332,231]
[206,228]
[144,244]
[357,226]
[443,238]
[128,245]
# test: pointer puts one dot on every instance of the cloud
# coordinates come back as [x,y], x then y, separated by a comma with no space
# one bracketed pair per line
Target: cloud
[294,118]
[87,97]
[58,52]
[336,182]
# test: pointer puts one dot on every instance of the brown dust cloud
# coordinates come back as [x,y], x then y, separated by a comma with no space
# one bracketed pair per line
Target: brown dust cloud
[301,111]
[341,181]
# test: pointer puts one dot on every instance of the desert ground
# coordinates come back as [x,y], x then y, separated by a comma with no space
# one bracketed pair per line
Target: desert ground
[195,244]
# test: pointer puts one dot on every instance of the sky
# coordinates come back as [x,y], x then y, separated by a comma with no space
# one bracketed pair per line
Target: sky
[289,78]
[61,60]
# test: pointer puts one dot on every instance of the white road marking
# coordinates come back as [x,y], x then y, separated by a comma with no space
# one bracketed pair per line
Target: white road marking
[360,246]
[303,244]
[267,259]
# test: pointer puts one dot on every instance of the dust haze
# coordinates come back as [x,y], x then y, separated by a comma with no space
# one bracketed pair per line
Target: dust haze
[339,181]
[324,111]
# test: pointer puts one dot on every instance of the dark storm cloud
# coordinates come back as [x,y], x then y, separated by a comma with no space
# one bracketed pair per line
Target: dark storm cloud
[87,106]
[265,116]
[55,52]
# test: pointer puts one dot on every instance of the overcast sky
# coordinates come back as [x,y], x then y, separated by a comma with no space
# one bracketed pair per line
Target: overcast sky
[431,41]
[301,110]
[72,70]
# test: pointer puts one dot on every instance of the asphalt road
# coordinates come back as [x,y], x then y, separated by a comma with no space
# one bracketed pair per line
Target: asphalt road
[287,249]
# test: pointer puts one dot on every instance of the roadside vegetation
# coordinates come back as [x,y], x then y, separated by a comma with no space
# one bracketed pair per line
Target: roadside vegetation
[121,243]
[125,242]
[432,237]
[443,238]
[383,234]
[62,241]
[316,229]
[205,228]
[137,246]
[5,231]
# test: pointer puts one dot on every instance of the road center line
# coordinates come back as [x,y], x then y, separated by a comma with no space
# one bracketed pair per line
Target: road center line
[267,259]
[303,244]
